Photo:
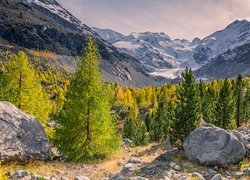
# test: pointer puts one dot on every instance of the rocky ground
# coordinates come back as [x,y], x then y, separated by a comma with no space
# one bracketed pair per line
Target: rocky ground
[149,162]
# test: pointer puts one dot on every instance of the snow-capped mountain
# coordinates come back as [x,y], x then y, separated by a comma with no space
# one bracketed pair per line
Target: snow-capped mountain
[234,35]
[108,34]
[157,53]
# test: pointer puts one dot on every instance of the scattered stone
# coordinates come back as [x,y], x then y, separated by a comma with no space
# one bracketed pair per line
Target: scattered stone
[177,168]
[166,178]
[184,178]
[22,137]
[238,174]
[212,172]
[134,160]
[64,178]
[167,174]
[138,178]
[198,176]
[168,155]
[20,174]
[247,172]
[217,177]
[172,165]
[81,178]
[119,177]
[211,145]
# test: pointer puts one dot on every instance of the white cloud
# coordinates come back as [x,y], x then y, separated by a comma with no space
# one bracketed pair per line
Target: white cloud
[177,18]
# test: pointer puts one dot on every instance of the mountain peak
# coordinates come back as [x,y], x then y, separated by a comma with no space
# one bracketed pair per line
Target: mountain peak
[238,23]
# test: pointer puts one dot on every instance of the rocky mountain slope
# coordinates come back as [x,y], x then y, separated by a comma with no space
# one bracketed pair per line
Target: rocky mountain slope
[45,25]
[221,54]
[225,53]
[158,54]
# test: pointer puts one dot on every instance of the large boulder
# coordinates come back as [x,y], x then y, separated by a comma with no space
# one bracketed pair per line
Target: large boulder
[244,136]
[22,137]
[211,145]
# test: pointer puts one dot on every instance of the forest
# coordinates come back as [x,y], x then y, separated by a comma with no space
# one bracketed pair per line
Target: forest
[92,117]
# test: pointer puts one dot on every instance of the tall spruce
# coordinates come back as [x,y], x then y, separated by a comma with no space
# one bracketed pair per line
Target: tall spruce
[246,107]
[162,122]
[134,128]
[239,85]
[86,128]
[24,88]
[225,106]
[187,110]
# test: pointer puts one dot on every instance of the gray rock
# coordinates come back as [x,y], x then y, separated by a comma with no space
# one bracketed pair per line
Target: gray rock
[22,137]
[167,156]
[134,160]
[177,168]
[184,178]
[138,178]
[244,137]
[20,174]
[217,177]
[167,174]
[247,172]
[81,178]
[166,178]
[211,145]
[64,178]
[172,165]
[198,176]
[238,174]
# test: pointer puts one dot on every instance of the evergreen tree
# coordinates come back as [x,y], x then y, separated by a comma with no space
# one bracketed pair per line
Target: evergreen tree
[208,110]
[239,85]
[87,130]
[225,106]
[134,128]
[164,117]
[188,107]
[26,91]
[246,107]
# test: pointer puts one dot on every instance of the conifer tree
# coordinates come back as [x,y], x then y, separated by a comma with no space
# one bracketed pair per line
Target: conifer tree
[188,107]
[26,91]
[246,107]
[239,85]
[86,128]
[225,106]
[134,128]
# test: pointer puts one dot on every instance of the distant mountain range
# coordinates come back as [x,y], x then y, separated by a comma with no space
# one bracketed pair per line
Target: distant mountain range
[138,59]
[221,54]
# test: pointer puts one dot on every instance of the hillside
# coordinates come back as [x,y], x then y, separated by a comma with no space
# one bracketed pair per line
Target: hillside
[46,26]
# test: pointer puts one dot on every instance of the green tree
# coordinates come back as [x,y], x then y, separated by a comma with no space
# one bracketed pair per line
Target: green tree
[225,106]
[26,91]
[164,117]
[134,128]
[239,85]
[188,107]
[246,107]
[86,128]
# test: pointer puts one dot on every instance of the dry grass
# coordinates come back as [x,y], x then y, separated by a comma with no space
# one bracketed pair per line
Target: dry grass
[43,54]
[94,170]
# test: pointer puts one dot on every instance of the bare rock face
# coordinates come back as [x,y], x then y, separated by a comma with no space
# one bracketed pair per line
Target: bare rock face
[211,145]
[22,137]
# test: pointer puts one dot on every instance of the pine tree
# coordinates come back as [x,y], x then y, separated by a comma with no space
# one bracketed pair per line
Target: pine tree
[246,107]
[87,130]
[188,107]
[26,91]
[209,106]
[225,106]
[134,128]
[239,85]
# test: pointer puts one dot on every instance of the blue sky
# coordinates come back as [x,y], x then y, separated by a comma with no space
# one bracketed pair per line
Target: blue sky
[177,18]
